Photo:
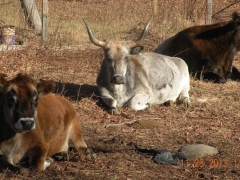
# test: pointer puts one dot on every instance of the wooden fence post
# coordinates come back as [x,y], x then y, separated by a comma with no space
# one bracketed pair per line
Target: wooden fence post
[155,14]
[44,19]
[209,12]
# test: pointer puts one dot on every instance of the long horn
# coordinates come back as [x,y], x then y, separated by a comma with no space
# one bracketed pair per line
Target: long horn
[143,35]
[92,38]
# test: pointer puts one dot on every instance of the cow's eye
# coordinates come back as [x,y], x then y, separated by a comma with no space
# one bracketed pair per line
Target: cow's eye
[11,100]
[35,101]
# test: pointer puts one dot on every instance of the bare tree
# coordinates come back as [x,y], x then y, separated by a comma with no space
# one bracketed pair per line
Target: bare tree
[32,15]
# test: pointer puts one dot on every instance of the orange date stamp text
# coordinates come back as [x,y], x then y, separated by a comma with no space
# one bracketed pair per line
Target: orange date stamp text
[211,163]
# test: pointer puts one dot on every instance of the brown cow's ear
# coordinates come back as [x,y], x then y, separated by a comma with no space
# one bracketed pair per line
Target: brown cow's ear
[136,50]
[45,87]
[236,19]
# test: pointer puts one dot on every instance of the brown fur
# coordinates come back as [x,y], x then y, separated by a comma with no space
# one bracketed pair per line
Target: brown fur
[207,49]
[56,122]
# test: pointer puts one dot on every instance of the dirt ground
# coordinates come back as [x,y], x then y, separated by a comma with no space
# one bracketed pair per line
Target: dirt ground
[213,119]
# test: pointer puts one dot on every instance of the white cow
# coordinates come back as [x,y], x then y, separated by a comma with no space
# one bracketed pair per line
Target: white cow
[129,77]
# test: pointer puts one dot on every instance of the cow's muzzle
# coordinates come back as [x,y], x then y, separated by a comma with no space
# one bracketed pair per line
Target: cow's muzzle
[117,79]
[25,124]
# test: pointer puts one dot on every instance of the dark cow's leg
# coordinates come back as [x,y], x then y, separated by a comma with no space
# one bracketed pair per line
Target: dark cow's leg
[4,164]
[61,156]
[235,75]
[211,76]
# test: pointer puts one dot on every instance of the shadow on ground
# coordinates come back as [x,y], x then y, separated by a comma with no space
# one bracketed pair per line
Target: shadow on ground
[75,91]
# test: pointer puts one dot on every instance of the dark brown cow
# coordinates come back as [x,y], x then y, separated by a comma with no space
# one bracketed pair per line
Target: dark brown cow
[35,123]
[208,50]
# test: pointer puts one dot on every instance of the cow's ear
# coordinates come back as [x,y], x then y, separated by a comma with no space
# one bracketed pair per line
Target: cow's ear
[45,87]
[236,19]
[3,81]
[136,50]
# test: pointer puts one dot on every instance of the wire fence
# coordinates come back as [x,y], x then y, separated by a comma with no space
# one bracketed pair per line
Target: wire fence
[113,18]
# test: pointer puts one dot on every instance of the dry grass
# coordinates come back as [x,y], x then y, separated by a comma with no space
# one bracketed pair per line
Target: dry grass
[111,18]
[212,119]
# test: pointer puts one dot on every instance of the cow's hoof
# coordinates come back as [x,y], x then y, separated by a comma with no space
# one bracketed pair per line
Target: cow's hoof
[186,103]
[91,156]
[15,169]
[169,103]
[24,172]
[114,111]
[47,162]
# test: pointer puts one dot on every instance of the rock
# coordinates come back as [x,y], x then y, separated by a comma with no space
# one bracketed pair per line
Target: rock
[161,156]
[197,151]
[166,157]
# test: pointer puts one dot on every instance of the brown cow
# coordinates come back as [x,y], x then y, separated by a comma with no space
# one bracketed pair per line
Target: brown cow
[35,123]
[208,50]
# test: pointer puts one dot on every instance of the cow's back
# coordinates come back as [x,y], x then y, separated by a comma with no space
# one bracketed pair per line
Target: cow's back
[207,49]
[182,45]
[165,65]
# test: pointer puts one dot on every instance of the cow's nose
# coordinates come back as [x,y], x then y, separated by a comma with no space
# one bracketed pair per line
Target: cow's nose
[25,124]
[117,79]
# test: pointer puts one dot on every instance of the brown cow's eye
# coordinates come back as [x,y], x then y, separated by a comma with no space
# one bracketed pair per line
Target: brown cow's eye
[35,101]
[10,100]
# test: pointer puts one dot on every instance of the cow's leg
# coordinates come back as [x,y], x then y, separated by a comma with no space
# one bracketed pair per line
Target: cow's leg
[62,153]
[5,163]
[139,101]
[38,157]
[78,141]
[184,97]
[110,102]
[235,75]
[76,134]
[107,98]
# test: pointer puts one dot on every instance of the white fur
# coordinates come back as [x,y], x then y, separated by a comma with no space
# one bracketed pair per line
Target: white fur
[149,78]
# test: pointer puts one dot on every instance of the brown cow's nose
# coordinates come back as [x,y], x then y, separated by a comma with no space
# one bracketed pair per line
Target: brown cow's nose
[117,79]
[27,124]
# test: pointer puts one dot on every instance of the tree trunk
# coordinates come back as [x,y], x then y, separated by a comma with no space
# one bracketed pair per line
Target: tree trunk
[209,12]
[32,15]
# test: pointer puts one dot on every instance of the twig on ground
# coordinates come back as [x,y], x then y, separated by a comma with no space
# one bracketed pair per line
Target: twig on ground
[128,123]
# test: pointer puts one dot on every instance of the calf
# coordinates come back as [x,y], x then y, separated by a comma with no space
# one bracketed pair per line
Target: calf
[35,123]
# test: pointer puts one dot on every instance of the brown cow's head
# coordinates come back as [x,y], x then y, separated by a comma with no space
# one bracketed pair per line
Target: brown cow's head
[116,54]
[20,99]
